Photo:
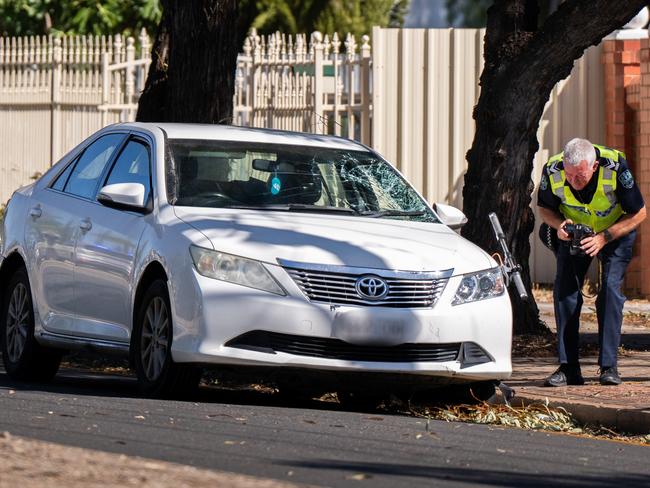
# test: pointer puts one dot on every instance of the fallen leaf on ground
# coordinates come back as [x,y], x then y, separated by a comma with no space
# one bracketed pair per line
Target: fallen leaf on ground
[358,477]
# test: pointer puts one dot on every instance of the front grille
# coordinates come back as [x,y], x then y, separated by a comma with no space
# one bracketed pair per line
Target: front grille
[329,348]
[339,289]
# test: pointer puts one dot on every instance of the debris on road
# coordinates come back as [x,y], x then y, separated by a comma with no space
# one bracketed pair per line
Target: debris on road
[532,417]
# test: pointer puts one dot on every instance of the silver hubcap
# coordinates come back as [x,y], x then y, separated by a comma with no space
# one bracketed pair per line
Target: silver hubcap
[154,338]
[17,322]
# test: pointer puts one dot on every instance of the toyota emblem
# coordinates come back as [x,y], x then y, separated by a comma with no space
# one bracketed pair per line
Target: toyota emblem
[371,287]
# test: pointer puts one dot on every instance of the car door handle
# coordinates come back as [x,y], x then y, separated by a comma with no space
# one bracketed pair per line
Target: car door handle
[85,225]
[35,212]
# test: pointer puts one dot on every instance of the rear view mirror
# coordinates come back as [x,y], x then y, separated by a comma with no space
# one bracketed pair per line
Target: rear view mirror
[450,216]
[127,196]
[263,165]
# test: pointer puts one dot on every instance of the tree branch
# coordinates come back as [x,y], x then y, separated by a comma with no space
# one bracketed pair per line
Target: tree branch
[568,32]
[510,26]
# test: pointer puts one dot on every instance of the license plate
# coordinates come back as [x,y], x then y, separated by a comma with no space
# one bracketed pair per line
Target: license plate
[365,327]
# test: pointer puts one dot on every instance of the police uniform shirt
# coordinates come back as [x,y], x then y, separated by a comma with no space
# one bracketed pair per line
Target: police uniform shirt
[627,191]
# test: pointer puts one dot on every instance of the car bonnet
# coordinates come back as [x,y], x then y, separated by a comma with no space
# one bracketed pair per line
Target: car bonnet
[340,240]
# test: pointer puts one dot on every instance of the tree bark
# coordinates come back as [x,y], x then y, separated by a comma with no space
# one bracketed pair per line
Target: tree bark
[194,59]
[522,65]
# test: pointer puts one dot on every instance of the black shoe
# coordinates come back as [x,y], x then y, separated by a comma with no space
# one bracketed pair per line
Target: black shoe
[610,376]
[565,375]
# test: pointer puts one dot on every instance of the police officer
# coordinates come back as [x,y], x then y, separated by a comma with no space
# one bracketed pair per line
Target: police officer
[591,185]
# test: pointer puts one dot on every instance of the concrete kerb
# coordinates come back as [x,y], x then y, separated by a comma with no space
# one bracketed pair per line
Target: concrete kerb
[621,420]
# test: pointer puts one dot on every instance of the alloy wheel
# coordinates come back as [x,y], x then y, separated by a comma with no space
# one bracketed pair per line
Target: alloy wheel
[154,342]
[17,322]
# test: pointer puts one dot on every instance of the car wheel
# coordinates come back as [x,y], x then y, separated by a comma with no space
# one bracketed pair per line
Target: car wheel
[24,358]
[157,373]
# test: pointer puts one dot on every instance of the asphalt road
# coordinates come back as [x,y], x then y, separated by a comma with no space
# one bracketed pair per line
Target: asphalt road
[318,443]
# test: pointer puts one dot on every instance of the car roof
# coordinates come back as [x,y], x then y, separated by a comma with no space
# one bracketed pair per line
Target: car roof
[247,134]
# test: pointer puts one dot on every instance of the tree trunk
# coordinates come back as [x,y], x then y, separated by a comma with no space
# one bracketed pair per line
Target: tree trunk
[522,65]
[194,59]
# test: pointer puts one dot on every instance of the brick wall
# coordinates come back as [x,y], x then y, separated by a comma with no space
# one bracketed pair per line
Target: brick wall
[627,127]
[642,169]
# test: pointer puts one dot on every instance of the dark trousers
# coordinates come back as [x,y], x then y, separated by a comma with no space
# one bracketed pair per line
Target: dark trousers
[614,258]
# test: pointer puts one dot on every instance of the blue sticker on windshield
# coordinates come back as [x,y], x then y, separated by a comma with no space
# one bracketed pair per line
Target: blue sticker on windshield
[276,185]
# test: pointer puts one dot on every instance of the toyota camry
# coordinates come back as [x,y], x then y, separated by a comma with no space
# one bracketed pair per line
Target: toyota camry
[297,256]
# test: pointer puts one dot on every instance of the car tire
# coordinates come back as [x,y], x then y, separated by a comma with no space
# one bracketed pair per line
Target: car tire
[158,375]
[23,357]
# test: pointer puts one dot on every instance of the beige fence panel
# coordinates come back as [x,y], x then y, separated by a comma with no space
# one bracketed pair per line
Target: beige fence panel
[425,84]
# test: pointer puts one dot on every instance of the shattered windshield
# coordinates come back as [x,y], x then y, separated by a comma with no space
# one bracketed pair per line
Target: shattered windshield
[291,178]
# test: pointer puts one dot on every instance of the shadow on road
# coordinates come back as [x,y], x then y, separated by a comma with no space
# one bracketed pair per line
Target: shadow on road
[80,382]
[478,476]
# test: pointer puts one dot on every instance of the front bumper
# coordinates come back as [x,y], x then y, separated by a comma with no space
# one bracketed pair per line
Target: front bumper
[211,332]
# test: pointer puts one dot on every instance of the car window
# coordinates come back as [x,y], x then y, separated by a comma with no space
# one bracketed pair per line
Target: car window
[63,177]
[132,166]
[90,166]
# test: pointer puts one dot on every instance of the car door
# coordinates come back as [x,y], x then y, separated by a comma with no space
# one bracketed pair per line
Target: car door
[51,232]
[106,250]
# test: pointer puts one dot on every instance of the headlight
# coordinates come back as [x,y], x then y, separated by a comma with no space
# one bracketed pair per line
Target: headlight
[479,286]
[234,269]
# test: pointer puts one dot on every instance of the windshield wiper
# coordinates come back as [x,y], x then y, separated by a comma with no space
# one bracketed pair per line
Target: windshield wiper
[319,208]
[296,207]
[393,213]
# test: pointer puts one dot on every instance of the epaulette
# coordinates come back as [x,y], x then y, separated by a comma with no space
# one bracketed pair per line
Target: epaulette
[609,163]
[555,167]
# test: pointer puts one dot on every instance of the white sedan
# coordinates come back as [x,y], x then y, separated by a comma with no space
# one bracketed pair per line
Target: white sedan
[306,257]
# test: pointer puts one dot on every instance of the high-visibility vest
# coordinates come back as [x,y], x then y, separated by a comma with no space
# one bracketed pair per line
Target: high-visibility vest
[604,209]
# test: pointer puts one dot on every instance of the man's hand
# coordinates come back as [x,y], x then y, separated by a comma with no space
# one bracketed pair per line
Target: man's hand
[593,244]
[561,233]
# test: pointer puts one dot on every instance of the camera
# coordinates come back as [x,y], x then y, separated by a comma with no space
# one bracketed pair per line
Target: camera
[577,232]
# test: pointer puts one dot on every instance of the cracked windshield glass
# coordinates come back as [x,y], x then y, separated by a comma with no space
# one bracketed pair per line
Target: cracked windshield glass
[291,178]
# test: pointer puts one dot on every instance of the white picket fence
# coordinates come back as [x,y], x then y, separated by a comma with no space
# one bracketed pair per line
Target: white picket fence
[322,86]
[55,91]
[52,95]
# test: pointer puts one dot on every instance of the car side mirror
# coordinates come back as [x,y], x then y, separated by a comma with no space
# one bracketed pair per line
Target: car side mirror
[124,196]
[450,216]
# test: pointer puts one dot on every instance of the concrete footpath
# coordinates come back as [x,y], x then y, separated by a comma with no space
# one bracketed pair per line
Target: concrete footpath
[623,408]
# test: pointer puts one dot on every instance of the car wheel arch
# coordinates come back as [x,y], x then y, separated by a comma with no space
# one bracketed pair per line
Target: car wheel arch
[10,264]
[154,271]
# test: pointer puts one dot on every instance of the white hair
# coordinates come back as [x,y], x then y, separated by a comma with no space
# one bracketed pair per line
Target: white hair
[578,150]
